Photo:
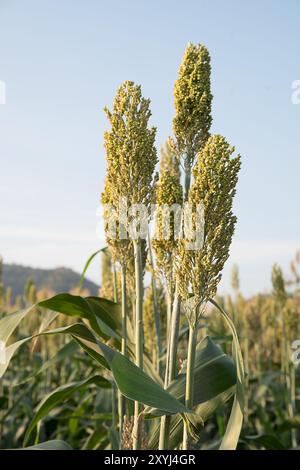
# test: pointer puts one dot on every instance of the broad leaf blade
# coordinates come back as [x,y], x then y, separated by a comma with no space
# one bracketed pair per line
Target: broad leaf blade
[55,444]
[59,395]
[234,425]
[137,385]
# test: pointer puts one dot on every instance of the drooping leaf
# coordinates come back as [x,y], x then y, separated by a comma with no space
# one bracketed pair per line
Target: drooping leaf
[86,266]
[137,385]
[9,323]
[63,353]
[267,441]
[60,395]
[77,330]
[103,315]
[55,444]
[205,410]
[214,373]
[234,425]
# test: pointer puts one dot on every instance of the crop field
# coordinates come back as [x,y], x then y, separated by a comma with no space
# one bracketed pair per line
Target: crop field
[158,357]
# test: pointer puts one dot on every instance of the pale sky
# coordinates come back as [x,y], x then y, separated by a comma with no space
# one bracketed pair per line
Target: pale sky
[61,63]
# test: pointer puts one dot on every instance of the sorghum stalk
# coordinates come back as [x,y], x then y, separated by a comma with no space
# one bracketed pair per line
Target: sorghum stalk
[124,310]
[155,307]
[168,194]
[138,335]
[191,129]
[190,378]
[131,160]
[115,283]
[171,367]
[122,399]
[199,269]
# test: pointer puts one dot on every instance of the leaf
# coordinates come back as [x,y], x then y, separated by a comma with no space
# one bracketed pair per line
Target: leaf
[85,338]
[264,384]
[87,265]
[55,444]
[8,354]
[66,351]
[234,425]
[214,373]
[58,396]
[77,330]
[104,315]
[48,318]
[268,441]
[9,323]
[132,381]
[137,385]
[95,439]
[205,410]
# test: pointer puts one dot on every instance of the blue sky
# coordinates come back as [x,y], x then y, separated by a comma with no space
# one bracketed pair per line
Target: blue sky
[62,62]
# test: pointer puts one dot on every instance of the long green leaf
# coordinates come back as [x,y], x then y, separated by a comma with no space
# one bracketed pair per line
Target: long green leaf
[77,331]
[55,444]
[234,425]
[66,351]
[214,373]
[103,315]
[267,441]
[10,322]
[205,410]
[87,265]
[137,385]
[58,396]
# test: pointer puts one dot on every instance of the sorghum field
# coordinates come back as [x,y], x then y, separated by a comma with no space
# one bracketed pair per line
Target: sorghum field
[159,359]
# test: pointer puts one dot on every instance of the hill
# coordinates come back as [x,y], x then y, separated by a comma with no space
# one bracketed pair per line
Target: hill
[58,280]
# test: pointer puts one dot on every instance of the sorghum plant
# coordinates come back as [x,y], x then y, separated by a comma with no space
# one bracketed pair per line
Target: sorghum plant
[199,271]
[131,159]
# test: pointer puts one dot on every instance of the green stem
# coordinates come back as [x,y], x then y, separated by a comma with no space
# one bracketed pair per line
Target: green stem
[170,301]
[113,409]
[171,368]
[189,379]
[138,335]
[155,308]
[164,434]
[173,337]
[122,399]
[173,332]
[165,421]
[115,283]
[124,310]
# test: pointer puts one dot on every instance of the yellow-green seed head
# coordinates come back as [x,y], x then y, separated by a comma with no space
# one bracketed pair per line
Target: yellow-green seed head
[193,99]
[131,156]
[214,186]
[168,193]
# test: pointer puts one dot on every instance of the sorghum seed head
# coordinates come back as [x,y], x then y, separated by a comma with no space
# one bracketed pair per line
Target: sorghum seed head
[193,100]
[214,186]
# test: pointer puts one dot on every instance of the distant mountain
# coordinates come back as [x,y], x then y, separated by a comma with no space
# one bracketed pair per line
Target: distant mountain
[57,280]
